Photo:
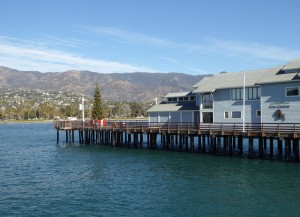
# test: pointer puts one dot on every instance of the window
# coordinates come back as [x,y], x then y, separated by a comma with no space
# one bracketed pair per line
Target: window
[254,93]
[292,91]
[236,114]
[226,114]
[237,94]
[180,98]
[185,98]
[192,98]
[207,101]
[258,113]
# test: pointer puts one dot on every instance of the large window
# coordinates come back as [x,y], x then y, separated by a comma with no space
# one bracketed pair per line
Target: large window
[207,101]
[236,114]
[292,91]
[254,93]
[237,94]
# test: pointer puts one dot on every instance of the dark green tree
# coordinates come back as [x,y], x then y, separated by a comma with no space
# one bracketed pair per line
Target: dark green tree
[97,112]
[136,109]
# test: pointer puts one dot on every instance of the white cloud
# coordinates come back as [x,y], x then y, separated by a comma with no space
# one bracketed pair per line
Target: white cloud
[131,37]
[252,50]
[207,46]
[25,56]
[175,62]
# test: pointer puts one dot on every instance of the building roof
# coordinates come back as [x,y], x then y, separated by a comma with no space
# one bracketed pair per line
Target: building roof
[178,94]
[236,79]
[173,107]
[293,64]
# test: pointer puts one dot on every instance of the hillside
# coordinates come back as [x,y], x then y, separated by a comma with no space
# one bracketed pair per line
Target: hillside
[137,86]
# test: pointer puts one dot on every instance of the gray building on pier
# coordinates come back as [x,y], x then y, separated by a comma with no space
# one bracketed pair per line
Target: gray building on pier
[176,107]
[258,96]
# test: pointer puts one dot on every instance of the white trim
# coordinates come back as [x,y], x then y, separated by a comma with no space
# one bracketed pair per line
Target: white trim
[228,115]
[237,111]
[292,95]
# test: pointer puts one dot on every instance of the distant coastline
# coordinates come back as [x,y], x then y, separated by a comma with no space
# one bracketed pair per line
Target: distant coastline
[49,121]
[24,121]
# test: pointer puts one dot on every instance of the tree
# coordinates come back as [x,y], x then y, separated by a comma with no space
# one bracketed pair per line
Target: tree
[97,112]
[136,109]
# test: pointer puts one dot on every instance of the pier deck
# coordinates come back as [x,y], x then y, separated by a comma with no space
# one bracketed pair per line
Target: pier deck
[217,138]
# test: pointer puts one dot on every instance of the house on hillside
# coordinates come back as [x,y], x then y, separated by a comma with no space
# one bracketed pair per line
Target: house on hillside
[259,96]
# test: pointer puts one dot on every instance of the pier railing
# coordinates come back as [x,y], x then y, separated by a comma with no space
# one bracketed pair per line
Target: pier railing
[249,129]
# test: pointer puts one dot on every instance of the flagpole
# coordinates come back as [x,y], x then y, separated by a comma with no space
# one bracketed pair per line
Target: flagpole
[83,109]
[244,99]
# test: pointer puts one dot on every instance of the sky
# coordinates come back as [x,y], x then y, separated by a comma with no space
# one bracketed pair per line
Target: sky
[114,36]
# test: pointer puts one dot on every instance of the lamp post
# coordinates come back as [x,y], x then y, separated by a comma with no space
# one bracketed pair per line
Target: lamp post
[81,108]
[244,102]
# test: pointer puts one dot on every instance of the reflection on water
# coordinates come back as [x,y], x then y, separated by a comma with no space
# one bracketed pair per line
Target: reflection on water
[41,178]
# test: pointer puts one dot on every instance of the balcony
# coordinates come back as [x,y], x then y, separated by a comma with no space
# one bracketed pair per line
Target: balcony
[207,105]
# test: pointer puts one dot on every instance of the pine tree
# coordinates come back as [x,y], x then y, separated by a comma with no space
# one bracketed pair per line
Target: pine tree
[97,112]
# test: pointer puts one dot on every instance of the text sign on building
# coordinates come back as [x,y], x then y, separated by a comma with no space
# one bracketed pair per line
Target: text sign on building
[280,105]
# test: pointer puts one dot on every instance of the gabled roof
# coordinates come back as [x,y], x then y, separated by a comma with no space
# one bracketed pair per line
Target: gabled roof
[236,79]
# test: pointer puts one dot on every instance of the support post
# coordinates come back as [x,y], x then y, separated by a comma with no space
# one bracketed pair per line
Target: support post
[250,147]
[57,136]
[271,147]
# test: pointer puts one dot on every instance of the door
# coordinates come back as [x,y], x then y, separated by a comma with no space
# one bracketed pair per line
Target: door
[207,117]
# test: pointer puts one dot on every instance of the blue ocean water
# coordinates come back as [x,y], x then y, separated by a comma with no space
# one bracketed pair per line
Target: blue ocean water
[40,178]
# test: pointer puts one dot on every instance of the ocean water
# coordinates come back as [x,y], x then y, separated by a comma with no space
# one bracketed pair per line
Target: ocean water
[40,178]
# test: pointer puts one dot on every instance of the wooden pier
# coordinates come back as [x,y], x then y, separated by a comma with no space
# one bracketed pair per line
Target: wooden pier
[260,141]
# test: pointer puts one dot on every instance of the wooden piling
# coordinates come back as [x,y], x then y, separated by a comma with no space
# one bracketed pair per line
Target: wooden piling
[296,149]
[250,154]
[271,147]
[57,136]
[218,142]
[287,149]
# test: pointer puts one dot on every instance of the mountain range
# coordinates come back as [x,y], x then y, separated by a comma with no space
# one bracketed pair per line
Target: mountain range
[136,86]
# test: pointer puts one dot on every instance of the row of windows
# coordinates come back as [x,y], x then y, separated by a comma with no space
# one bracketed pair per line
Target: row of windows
[253,93]
[175,99]
[238,114]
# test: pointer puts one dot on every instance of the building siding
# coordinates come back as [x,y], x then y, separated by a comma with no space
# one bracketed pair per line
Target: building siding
[222,102]
[175,117]
[187,117]
[274,97]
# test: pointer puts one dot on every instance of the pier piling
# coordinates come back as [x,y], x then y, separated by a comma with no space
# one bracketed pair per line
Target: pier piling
[212,138]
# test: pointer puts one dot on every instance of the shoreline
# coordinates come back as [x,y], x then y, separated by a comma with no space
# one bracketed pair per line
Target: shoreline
[25,121]
[49,121]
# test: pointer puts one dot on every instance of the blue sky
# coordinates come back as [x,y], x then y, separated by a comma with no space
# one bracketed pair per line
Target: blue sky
[188,36]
